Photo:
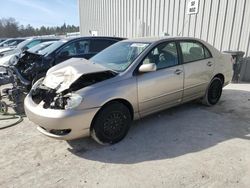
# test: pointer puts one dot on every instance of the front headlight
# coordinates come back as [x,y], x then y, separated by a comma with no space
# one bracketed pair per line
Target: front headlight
[73,101]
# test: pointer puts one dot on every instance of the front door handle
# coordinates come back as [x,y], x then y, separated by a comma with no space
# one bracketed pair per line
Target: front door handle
[209,63]
[178,71]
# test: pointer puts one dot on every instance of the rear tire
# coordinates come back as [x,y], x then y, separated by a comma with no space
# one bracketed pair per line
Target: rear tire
[111,124]
[213,92]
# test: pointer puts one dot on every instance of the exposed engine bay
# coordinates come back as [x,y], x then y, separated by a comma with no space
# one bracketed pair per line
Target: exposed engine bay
[61,98]
[31,64]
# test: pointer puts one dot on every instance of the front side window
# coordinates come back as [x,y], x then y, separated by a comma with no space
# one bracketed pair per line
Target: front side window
[164,55]
[120,56]
[83,47]
[76,48]
[69,49]
[193,51]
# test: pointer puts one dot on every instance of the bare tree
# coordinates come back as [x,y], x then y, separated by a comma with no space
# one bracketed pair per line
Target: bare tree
[9,27]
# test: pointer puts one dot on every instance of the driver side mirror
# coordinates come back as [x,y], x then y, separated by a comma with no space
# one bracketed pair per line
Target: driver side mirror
[150,67]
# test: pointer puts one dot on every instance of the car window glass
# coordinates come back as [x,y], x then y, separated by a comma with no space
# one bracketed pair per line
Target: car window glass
[207,53]
[83,47]
[119,56]
[97,45]
[164,55]
[70,48]
[192,51]
[33,43]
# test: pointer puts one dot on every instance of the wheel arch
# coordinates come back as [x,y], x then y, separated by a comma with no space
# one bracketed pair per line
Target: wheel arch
[120,100]
[220,76]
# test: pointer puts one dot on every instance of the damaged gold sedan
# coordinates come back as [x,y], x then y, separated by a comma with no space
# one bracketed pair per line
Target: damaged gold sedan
[129,80]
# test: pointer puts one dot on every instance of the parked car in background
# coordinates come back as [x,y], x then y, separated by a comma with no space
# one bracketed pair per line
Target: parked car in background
[2,39]
[32,66]
[38,48]
[11,42]
[127,81]
[27,44]
[12,56]
[9,45]
[11,59]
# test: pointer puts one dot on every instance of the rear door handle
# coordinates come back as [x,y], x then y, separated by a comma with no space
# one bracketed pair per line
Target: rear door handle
[209,63]
[178,71]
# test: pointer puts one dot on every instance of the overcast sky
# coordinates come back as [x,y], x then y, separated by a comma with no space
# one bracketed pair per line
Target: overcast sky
[41,12]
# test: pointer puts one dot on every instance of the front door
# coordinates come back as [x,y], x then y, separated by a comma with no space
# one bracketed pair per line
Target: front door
[164,87]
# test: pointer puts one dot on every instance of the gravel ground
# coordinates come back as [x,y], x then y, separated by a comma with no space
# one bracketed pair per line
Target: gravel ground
[186,146]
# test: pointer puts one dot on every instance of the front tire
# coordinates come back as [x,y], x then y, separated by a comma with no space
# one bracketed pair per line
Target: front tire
[111,124]
[213,92]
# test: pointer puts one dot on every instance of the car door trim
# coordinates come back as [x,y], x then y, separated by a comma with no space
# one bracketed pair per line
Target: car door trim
[162,95]
[195,85]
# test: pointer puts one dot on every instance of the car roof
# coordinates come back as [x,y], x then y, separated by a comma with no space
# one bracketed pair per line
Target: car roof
[158,39]
[94,37]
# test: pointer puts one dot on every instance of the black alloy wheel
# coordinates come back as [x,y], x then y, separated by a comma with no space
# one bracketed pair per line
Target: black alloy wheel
[111,123]
[214,91]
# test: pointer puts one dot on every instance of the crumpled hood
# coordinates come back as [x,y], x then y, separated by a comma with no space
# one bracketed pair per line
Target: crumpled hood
[61,76]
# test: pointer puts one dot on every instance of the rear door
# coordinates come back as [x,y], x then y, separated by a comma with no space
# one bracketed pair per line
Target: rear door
[198,67]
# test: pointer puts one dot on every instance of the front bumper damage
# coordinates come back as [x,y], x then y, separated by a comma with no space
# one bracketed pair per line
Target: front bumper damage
[52,104]
[75,123]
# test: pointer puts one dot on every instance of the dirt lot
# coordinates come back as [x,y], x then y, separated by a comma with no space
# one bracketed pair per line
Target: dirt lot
[186,146]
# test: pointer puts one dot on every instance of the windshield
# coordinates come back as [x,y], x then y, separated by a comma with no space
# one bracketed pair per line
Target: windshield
[52,47]
[38,48]
[7,42]
[24,43]
[119,56]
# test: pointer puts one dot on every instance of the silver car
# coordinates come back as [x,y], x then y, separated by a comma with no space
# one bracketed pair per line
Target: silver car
[127,81]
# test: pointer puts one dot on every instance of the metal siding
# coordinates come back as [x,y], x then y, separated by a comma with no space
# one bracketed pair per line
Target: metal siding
[223,23]
[181,18]
[186,21]
[245,34]
[213,18]
[199,20]
[228,25]
[176,19]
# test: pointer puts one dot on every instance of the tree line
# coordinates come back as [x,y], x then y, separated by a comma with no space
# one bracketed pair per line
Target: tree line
[9,27]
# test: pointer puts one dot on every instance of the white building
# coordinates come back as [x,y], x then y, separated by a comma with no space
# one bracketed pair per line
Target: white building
[223,23]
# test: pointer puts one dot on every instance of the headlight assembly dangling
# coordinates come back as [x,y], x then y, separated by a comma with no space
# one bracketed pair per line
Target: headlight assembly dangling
[73,101]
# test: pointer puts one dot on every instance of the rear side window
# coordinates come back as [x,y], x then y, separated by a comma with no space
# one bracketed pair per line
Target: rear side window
[207,53]
[193,51]
[97,45]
